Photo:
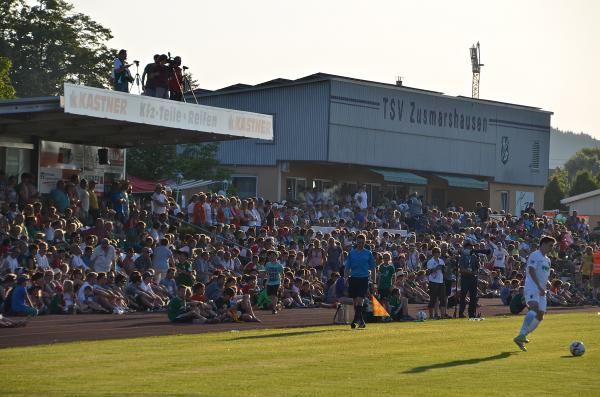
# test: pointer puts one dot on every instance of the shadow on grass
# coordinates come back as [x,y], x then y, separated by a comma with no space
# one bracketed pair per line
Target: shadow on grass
[457,363]
[280,335]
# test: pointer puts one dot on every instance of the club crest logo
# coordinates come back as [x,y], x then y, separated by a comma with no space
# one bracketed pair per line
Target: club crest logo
[504,153]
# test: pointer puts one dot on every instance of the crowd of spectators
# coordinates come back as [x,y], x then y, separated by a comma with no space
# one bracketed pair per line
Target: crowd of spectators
[221,258]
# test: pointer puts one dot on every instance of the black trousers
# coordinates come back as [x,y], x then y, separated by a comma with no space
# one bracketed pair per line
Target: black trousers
[468,285]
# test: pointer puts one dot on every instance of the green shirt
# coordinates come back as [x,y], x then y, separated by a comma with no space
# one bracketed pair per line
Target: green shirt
[263,301]
[185,279]
[386,273]
[516,304]
[394,300]
[176,307]
[274,270]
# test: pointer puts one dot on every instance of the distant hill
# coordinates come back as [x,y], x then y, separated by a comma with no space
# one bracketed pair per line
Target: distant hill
[564,144]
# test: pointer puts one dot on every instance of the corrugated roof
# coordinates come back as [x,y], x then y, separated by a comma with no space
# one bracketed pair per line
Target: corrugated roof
[320,76]
[581,196]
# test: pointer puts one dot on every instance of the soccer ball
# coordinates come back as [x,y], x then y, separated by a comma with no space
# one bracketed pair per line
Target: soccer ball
[577,348]
[422,316]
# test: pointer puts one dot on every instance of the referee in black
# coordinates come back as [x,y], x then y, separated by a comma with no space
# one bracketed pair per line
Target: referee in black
[358,263]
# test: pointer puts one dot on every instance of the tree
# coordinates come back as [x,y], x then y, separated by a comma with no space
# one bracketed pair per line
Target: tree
[7,91]
[152,163]
[194,161]
[50,44]
[584,182]
[585,159]
[553,194]
[191,83]
[198,161]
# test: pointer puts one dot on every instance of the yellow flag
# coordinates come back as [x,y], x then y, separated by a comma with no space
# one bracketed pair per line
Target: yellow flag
[378,309]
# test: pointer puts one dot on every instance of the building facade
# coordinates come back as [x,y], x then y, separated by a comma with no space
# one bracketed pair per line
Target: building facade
[335,133]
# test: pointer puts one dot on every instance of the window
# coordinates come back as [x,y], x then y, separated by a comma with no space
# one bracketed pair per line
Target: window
[245,186]
[13,162]
[504,202]
[295,188]
[321,184]
[535,156]
[374,194]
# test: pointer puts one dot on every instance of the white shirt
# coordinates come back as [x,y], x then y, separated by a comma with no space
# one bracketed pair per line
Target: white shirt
[84,199]
[101,260]
[81,292]
[146,287]
[413,260]
[500,255]
[540,263]
[207,213]
[42,261]
[360,198]
[436,276]
[157,200]
[256,215]
[190,211]
[10,263]
[78,263]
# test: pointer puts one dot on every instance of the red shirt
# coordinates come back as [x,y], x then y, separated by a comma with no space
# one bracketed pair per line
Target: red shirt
[176,83]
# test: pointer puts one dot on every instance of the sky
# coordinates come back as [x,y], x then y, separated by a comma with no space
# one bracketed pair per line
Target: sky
[536,53]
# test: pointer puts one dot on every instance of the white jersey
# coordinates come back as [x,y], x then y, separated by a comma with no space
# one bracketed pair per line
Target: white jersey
[540,263]
[500,255]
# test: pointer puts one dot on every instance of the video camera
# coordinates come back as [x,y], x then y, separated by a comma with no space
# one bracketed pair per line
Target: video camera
[173,61]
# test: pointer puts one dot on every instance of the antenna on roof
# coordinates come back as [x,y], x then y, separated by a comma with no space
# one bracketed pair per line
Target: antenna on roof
[399,81]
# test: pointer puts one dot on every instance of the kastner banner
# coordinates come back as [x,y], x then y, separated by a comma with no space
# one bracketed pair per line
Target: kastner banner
[96,102]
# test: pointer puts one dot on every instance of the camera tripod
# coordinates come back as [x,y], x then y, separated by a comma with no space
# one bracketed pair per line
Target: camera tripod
[136,77]
[185,84]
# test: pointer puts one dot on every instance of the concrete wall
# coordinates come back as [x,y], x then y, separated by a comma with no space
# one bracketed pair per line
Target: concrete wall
[267,179]
[495,190]
[589,206]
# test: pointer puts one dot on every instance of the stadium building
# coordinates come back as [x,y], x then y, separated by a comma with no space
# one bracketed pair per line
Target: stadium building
[336,133]
[87,130]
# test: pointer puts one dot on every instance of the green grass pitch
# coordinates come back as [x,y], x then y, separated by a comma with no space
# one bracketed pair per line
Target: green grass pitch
[433,358]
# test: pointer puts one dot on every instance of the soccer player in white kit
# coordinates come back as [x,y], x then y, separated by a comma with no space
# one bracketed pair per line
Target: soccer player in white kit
[536,278]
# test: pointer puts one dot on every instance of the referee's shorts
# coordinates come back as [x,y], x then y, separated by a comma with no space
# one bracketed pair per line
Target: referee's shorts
[358,287]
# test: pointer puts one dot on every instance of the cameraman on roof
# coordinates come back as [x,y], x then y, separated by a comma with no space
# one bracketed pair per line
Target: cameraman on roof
[148,77]
[176,80]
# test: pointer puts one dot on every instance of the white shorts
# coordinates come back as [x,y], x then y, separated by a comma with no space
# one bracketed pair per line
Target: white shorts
[534,296]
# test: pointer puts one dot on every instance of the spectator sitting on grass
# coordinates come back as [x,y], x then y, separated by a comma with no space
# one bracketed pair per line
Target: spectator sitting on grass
[398,306]
[517,302]
[89,302]
[168,283]
[181,310]
[20,303]
[141,298]
[231,309]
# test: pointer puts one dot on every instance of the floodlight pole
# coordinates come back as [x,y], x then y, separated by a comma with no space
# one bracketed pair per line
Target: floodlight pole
[476,65]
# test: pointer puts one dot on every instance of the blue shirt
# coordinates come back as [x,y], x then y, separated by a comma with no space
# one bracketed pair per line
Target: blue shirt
[60,198]
[359,262]
[119,207]
[18,299]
